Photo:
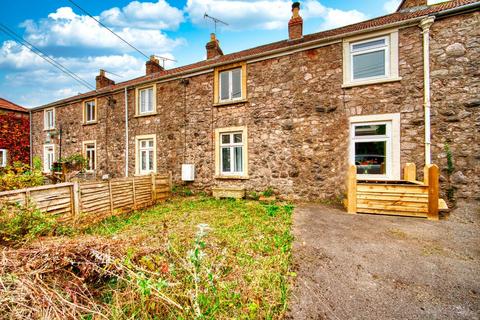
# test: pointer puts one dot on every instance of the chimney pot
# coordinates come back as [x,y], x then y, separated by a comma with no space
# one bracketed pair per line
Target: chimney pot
[102,81]
[295,25]
[153,65]
[213,47]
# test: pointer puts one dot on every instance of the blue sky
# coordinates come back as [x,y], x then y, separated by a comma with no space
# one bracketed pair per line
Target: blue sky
[174,29]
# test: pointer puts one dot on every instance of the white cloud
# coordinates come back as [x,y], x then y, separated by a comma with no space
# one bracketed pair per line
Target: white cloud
[391,5]
[33,74]
[144,15]
[64,28]
[335,18]
[262,14]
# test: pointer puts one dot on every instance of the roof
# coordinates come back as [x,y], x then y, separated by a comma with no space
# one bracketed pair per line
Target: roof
[396,17]
[8,105]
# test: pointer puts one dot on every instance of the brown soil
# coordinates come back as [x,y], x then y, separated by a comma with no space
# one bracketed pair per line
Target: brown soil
[381,267]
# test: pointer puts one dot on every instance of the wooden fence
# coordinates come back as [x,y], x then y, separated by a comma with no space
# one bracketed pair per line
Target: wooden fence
[88,201]
[407,197]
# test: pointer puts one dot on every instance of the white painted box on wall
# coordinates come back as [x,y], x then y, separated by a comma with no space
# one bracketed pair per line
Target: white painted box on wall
[188,172]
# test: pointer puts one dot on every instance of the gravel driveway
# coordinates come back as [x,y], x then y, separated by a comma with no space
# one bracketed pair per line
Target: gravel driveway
[381,267]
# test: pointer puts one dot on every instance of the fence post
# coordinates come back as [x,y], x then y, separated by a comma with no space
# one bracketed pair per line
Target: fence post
[76,200]
[111,195]
[410,172]
[134,196]
[433,189]
[154,192]
[352,190]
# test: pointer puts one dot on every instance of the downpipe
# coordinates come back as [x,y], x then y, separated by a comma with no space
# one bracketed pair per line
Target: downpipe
[425,24]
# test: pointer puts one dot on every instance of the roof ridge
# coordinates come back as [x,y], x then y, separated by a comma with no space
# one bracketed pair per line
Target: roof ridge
[265,48]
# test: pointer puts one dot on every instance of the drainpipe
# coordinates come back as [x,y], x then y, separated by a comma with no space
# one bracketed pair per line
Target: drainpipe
[30,137]
[425,24]
[126,133]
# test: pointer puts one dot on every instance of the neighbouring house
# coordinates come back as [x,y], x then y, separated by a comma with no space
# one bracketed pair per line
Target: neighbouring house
[292,115]
[14,133]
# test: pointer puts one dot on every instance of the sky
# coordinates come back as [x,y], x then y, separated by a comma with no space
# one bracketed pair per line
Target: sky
[168,28]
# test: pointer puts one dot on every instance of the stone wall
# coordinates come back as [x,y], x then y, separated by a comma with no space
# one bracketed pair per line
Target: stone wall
[297,117]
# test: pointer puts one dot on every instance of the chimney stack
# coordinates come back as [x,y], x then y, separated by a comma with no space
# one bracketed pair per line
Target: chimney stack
[213,47]
[102,81]
[153,65]
[295,25]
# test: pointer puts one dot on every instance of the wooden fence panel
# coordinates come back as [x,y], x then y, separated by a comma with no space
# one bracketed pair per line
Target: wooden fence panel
[95,200]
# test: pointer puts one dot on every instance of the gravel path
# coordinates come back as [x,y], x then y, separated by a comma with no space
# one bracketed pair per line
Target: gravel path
[381,267]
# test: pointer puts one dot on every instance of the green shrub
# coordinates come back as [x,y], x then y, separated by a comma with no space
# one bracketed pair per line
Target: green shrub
[182,191]
[23,223]
[19,176]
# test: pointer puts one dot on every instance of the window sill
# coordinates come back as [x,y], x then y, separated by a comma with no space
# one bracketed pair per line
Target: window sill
[372,81]
[90,123]
[232,177]
[230,102]
[145,115]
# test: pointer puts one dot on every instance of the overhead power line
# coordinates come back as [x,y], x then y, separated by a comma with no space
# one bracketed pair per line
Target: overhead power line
[17,38]
[100,23]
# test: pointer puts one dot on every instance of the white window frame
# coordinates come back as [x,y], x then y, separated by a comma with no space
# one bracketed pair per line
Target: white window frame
[139,101]
[86,148]
[86,105]
[230,82]
[231,146]
[46,123]
[138,149]
[46,168]
[386,51]
[391,137]
[3,157]
[218,153]
[391,58]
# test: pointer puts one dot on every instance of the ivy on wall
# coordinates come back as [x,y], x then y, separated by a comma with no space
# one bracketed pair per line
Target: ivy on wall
[14,136]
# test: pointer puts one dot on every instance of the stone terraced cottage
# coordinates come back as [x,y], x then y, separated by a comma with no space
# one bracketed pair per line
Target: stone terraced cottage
[292,114]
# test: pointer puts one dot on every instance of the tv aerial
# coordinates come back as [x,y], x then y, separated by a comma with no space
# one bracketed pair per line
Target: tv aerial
[215,21]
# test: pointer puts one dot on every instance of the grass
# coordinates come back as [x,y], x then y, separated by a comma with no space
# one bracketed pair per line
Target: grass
[222,259]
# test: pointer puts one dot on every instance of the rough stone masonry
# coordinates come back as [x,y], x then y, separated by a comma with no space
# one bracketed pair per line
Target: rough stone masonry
[297,116]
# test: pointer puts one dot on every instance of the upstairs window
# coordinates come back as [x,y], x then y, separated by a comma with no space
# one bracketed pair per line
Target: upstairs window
[90,111]
[3,157]
[231,85]
[146,101]
[369,59]
[49,119]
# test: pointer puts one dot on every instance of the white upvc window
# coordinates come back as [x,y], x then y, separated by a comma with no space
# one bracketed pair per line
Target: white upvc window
[369,59]
[230,85]
[49,119]
[146,101]
[90,153]
[375,146]
[48,157]
[90,111]
[3,157]
[146,154]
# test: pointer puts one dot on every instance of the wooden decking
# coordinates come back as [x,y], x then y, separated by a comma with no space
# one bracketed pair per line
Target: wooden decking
[407,197]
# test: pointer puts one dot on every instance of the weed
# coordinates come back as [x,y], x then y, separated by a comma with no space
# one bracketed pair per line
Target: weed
[268,192]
